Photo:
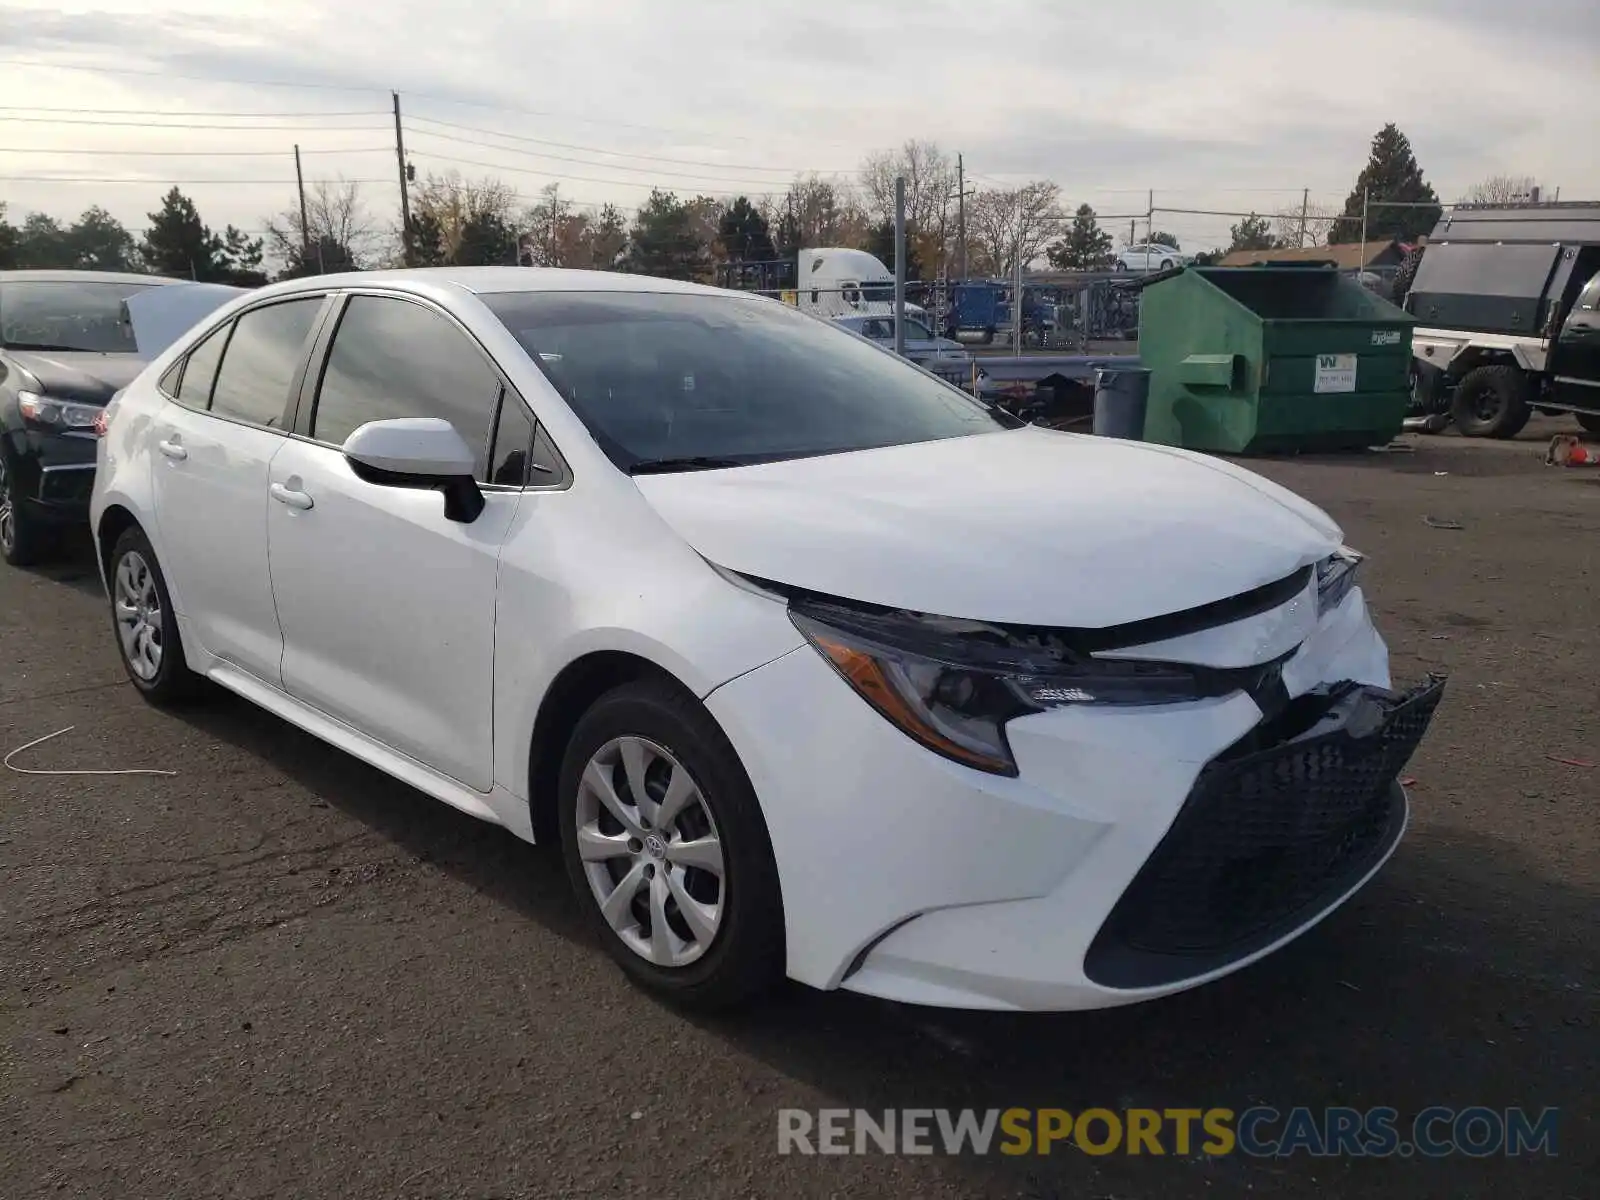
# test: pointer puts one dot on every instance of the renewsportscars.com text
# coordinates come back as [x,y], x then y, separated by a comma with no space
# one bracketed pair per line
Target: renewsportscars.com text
[1261,1132]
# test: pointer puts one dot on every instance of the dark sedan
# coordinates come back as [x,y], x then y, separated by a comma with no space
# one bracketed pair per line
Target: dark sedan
[65,349]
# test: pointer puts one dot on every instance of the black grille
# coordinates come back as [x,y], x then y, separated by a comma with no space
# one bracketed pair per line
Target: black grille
[66,487]
[1267,837]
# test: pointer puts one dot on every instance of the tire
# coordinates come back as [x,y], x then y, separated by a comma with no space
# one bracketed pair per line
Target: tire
[24,542]
[138,593]
[1405,274]
[1589,421]
[1491,402]
[742,955]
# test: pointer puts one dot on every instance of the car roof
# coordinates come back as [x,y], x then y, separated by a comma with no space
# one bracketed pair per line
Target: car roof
[487,280]
[85,277]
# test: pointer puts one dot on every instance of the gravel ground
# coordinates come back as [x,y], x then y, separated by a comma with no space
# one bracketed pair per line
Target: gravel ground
[278,973]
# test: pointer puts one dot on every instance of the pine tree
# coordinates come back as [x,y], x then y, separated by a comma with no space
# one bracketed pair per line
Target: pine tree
[1252,233]
[1085,246]
[1391,176]
[178,242]
[744,233]
[664,241]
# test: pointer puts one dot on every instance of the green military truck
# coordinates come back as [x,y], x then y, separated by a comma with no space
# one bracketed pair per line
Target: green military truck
[1507,302]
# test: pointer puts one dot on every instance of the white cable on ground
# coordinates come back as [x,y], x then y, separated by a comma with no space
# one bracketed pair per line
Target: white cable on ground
[56,734]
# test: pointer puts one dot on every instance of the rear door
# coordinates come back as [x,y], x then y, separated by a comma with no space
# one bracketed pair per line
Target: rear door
[224,420]
[387,607]
[1575,357]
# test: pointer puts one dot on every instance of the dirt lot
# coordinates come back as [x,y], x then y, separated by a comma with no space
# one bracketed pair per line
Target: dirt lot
[277,973]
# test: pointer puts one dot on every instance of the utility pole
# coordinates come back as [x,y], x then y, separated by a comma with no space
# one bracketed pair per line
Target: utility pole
[961,213]
[1366,202]
[900,264]
[305,228]
[1305,203]
[1016,292]
[1150,221]
[405,198]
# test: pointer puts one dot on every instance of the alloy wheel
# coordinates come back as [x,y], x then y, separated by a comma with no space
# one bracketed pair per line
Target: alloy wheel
[651,852]
[137,604]
[8,516]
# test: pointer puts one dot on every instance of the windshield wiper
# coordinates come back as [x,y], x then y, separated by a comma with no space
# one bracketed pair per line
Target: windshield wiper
[696,462]
[46,346]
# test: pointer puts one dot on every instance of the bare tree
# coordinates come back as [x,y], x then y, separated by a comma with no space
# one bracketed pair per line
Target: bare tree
[339,233]
[815,211]
[930,178]
[1001,224]
[1502,189]
[451,203]
[1319,222]
[555,233]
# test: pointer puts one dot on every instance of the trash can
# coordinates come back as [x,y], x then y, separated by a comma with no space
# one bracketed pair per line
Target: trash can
[1121,395]
[1272,359]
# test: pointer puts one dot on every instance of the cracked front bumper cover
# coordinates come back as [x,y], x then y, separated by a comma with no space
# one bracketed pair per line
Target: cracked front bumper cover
[1275,829]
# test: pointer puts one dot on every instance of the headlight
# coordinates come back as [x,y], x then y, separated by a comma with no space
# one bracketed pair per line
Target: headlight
[56,414]
[1336,575]
[953,685]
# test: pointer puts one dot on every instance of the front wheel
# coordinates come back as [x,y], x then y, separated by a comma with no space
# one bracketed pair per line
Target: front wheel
[23,541]
[145,623]
[667,848]
[1589,421]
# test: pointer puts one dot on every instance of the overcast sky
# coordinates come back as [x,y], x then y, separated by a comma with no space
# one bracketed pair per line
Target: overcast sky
[1216,104]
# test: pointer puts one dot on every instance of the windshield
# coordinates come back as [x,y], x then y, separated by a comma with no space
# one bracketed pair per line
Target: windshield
[878,293]
[39,315]
[684,377]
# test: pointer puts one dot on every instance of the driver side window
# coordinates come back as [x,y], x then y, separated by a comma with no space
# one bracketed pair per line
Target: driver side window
[395,358]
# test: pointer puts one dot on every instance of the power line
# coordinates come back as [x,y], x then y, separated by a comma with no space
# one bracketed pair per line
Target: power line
[651,171]
[467,162]
[131,179]
[191,153]
[46,65]
[188,112]
[561,116]
[186,125]
[685,162]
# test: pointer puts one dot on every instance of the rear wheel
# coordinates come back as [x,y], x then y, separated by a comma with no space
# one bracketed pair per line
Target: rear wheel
[23,541]
[666,846]
[145,623]
[1492,402]
[1590,421]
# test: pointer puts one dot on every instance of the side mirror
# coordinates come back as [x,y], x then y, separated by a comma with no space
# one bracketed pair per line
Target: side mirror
[419,452]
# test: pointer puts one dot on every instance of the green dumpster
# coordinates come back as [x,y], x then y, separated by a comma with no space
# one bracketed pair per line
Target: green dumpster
[1272,359]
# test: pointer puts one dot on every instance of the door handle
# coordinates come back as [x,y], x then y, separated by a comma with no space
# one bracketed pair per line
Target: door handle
[173,450]
[291,497]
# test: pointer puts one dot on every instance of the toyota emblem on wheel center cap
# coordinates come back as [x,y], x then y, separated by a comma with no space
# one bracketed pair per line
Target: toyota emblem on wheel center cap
[655,845]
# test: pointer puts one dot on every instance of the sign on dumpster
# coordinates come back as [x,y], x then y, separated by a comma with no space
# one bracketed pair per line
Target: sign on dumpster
[1335,373]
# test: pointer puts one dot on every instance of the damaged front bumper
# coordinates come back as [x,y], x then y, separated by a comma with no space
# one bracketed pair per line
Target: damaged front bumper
[1136,852]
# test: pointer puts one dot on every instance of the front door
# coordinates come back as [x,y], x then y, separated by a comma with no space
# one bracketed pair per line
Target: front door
[387,607]
[1575,358]
[214,438]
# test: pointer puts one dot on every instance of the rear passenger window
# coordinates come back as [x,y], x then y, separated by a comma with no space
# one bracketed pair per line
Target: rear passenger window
[393,358]
[262,358]
[200,371]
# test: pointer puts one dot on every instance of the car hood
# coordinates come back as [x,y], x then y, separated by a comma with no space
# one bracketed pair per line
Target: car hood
[1029,526]
[161,315]
[83,376]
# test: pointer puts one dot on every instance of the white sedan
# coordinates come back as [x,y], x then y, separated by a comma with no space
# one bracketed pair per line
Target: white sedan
[1150,256]
[814,665]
